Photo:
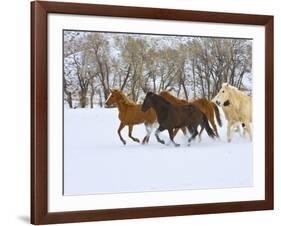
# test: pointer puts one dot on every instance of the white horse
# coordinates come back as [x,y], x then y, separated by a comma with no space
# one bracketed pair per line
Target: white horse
[237,107]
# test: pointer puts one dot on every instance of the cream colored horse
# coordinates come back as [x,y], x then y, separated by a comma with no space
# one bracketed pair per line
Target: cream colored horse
[237,107]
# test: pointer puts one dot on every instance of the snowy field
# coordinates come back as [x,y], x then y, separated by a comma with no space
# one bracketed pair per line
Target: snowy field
[95,160]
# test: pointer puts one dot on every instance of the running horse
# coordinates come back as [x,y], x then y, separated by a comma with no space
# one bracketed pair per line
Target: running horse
[205,106]
[130,114]
[237,107]
[171,117]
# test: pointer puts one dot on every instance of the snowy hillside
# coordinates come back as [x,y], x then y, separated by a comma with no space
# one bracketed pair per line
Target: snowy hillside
[95,160]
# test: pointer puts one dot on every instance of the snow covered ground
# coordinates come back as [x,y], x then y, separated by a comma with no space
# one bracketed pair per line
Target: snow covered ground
[95,160]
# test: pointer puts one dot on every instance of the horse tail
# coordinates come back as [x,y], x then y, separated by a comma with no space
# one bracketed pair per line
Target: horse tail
[206,125]
[217,112]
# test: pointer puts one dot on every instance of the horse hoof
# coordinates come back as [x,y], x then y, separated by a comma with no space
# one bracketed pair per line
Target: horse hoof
[188,145]
[137,140]
[177,145]
[124,142]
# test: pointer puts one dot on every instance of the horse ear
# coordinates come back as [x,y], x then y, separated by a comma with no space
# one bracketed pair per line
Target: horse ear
[225,84]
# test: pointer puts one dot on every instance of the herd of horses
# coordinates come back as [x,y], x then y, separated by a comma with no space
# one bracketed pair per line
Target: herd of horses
[174,114]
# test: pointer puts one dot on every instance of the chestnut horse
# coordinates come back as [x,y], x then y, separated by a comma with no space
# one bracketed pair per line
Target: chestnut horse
[207,107]
[171,117]
[130,114]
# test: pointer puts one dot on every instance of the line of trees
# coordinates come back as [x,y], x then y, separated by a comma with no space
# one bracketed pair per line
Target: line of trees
[189,67]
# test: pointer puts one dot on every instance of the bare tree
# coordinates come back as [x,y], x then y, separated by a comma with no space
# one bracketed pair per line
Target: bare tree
[189,67]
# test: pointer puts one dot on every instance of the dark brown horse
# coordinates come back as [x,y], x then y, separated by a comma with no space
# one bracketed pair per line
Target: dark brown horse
[171,117]
[207,107]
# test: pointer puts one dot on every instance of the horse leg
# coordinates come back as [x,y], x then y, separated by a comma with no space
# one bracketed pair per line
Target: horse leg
[171,134]
[244,129]
[175,132]
[157,135]
[194,134]
[201,130]
[145,137]
[248,129]
[237,129]
[211,119]
[130,134]
[244,132]
[148,128]
[121,126]
[183,129]
[190,129]
[229,131]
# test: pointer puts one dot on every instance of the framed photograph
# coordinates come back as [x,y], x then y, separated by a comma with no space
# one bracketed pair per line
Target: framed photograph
[146,112]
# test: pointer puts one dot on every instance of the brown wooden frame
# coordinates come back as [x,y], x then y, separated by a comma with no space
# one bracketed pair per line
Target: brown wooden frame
[39,112]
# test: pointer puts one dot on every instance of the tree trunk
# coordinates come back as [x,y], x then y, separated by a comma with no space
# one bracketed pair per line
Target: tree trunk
[194,79]
[208,86]
[126,78]
[154,82]
[92,98]
[201,81]
[179,90]
[83,98]
[185,90]
[100,98]
[69,99]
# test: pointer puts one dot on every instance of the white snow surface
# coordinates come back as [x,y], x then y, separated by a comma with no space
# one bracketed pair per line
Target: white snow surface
[96,161]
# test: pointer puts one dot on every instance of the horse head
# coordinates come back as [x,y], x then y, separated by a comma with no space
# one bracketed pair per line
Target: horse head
[224,95]
[147,103]
[113,98]
[118,97]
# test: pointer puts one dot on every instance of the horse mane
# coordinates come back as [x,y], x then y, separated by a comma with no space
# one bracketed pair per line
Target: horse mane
[125,99]
[235,95]
[163,100]
[169,97]
[234,90]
